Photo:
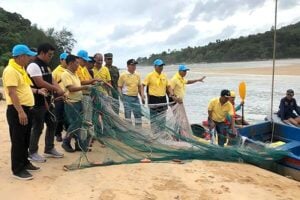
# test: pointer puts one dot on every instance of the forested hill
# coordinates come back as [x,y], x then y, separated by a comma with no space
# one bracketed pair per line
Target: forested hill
[15,29]
[252,47]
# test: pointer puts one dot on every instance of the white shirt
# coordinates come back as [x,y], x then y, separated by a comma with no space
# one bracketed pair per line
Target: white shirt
[34,70]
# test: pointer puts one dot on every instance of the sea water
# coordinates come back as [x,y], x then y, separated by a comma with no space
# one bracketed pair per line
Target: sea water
[258,87]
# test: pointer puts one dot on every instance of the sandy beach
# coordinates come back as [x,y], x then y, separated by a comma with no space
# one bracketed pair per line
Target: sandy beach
[192,180]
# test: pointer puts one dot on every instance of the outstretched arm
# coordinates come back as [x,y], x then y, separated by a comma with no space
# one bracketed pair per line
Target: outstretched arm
[196,80]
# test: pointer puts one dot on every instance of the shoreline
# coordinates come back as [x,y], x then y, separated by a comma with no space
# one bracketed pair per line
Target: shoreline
[290,70]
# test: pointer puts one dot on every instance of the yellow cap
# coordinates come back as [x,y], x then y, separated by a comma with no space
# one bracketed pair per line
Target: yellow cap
[232,93]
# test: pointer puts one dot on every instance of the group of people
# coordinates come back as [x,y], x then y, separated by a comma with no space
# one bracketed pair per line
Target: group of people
[36,96]
[223,119]
[29,107]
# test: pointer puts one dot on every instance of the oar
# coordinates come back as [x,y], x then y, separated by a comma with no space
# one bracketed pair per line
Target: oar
[242,92]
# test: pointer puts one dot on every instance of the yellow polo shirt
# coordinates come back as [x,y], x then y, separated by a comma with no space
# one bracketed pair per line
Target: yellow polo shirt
[219,111]
[177,83]
[56,74]
[157,84]
[69,78]
[13,77]
[83,73]
[129,83]
[102,74]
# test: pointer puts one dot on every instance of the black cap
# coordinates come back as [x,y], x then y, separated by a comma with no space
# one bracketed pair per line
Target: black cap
[225,93]
[132,62]
[290,91]
[108,55]
[71,58]
[92,59]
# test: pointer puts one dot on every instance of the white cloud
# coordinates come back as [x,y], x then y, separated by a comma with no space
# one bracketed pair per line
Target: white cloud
[135,28]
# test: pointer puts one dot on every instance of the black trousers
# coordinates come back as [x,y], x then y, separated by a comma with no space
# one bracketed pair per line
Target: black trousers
[60,117]
[20,137]
[40,116]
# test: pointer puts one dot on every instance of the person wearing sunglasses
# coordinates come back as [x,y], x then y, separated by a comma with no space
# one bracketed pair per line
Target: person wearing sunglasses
[289,111]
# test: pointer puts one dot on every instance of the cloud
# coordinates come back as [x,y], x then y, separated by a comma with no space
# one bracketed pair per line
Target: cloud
[226,33]
[287,4]
[122,31]
[134,28]
[220,9]
[183,35]
[165,15]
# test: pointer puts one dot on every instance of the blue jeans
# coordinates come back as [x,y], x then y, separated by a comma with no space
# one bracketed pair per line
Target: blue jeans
[224,132]
[132,104]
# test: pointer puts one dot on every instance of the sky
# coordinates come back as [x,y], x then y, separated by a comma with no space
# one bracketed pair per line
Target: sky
[138,28]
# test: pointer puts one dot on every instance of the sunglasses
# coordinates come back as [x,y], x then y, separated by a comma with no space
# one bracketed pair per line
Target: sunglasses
[290,94]
[50,54]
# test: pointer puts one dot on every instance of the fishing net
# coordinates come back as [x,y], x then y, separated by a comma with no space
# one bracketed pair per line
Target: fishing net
[165,136]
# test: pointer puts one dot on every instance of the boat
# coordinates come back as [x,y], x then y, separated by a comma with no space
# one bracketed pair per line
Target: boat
[277,135]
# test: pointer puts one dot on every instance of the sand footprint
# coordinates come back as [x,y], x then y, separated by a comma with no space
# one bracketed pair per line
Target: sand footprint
[107,195]
[216,191]
[225,189]
[149,196]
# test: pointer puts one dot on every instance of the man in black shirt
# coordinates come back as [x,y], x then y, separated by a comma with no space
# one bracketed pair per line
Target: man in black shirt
[43,111]
[287,107]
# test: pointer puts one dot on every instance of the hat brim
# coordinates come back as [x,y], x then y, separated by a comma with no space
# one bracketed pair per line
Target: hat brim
[86,59]
[31,53]
[184,70]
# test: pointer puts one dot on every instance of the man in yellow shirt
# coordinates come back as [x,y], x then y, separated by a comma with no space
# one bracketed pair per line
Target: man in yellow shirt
[130,87]
[82,70]
[85,79]
[178,83]
[157,86]
[59,103]
[218,109]
[20,100]
[102,73]
[73,107]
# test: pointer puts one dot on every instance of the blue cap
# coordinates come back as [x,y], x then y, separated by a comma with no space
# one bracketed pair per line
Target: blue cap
[183,68]
[22,49]
[63,56]
[84,55]
[158,62]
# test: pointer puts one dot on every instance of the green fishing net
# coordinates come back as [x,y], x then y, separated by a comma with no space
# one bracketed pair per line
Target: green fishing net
[164,137]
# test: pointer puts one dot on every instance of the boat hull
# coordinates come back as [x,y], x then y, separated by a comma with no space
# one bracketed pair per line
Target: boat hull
[279,136]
